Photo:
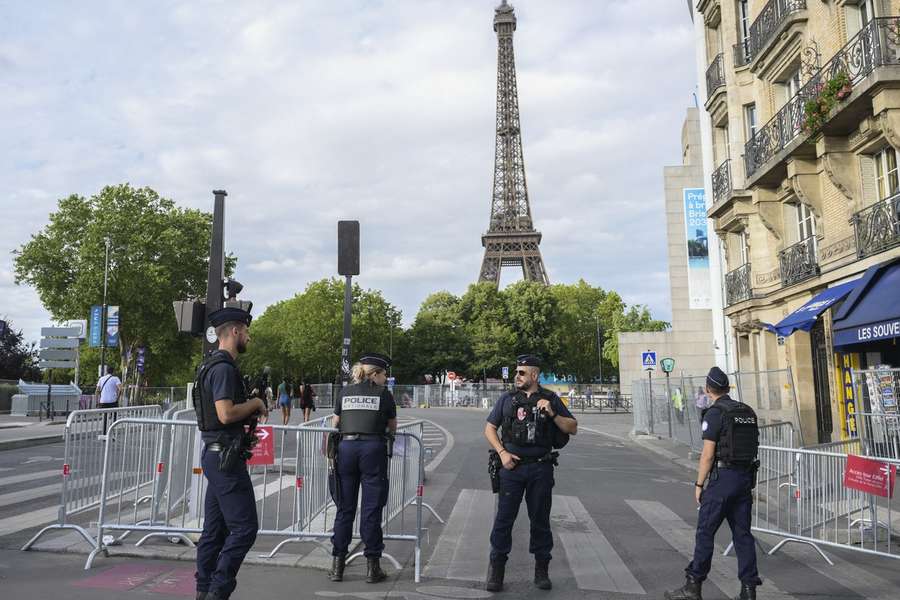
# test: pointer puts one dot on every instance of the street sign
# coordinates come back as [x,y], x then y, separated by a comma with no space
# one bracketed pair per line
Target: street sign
[56,364]
[264,451]
[667,365]
[81,325]
[59,342]
[58,354]
[62,332]
[648,360]
[505,372]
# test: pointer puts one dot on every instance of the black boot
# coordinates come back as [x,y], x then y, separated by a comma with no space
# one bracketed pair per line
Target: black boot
[541,577]
[748,592]
[374,574]
[494,582]
[690,591]
[337,568]
[214,596]
[201,595]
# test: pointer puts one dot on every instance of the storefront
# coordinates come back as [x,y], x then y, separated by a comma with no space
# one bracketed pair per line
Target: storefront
[866,333]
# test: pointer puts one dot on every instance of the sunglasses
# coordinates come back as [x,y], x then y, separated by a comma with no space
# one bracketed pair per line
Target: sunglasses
[519,372]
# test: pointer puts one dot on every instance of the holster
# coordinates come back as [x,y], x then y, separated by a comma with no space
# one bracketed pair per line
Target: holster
[754,469]
[494,466]
[389,440]
[331,454]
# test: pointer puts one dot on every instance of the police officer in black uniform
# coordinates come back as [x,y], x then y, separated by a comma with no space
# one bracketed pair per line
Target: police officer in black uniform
[366,416]
[730,440]
[531,421]
[223,410]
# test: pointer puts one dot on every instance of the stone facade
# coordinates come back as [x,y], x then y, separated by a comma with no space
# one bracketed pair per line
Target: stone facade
[797,180]
[690,341]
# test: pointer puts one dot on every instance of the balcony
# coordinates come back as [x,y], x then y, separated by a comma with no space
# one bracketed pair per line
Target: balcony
[722,184]
[742,56]
[769,23]
[737,285]
[715,76]
[798,262]
[877,44]
[877,227]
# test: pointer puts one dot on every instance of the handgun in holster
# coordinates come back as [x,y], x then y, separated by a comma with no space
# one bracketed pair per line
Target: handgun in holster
[389,439]
[331,452]
[239,448]
[754,469]
[494,466]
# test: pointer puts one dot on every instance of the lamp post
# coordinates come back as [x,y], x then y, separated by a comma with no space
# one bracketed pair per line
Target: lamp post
[103,313]
[599,352]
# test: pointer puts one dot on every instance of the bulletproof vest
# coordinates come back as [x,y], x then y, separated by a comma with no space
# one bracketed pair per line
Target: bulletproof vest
[205,404]
[739,437]
[361,410]
[523,425]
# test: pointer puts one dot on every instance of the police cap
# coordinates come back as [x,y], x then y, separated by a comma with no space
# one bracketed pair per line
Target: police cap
[229,315]
[528,360]
[717,378]
[382,361]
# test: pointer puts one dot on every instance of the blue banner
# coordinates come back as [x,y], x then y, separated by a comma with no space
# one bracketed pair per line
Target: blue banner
[699,284]
[112,326]
[96,327]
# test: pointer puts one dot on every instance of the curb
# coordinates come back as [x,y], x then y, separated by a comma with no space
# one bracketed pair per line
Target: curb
[30,441]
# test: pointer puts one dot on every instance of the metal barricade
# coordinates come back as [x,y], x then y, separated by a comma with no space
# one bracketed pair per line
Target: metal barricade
[879,434]
[82,470]
[779,435]
[293,501]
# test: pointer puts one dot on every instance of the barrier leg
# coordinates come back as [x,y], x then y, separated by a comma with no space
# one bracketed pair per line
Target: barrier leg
[80,530]
[808,543]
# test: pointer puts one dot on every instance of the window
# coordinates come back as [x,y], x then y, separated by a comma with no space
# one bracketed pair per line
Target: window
[744,23]
[886,177]
[745,247]
[806,222]
[866,12]
[859,14]
[791,85]
[750,120]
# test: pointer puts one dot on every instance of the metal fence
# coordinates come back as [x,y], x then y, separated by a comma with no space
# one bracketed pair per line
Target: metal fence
[293,502]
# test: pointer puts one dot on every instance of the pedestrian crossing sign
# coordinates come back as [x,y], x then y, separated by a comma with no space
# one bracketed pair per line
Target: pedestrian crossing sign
[648,360]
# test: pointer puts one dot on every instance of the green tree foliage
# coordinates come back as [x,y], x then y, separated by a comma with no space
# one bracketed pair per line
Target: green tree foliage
[301,338]
[18,360]
[437,341]
[158,253]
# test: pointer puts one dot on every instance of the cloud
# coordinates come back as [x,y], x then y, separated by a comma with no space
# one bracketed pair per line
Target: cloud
[310,112]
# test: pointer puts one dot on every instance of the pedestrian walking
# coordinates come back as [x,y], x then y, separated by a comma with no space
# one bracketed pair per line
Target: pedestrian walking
[223,414]
[531,422]
[109,389]
[307,400]
[726,477]
[366,417]
[284,401]
[270,398]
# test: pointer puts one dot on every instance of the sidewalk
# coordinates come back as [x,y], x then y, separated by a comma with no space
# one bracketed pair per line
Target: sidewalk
[22,432]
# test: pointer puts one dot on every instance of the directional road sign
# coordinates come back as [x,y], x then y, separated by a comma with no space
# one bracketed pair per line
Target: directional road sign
[61,332]
[648,360]
[59,342]
[59,354]
[667,365]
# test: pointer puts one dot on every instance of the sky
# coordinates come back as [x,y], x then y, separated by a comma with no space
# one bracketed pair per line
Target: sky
[383,111]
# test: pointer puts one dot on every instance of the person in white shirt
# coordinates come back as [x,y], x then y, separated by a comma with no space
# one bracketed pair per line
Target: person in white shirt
[108,388]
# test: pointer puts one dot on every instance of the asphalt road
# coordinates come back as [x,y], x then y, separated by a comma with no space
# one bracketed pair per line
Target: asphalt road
[623,528]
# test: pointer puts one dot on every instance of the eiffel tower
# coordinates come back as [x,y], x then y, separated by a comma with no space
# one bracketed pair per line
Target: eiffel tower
[511,239]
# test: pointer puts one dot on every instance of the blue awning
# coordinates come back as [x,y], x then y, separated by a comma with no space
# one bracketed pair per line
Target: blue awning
[805,317]
[872,312]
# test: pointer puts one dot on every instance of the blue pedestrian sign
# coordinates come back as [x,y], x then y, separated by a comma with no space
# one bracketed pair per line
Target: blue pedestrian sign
[648,360]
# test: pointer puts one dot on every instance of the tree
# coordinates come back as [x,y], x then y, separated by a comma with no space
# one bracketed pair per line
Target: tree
[158,253]
[18,360]
[485,315]
[437,341]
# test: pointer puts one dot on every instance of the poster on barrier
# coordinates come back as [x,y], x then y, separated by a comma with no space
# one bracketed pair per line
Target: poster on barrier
[264,451]
[870,476]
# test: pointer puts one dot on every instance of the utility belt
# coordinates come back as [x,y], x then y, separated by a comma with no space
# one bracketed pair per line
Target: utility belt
[550,457]
[362,437]
[234,450]
[721,464]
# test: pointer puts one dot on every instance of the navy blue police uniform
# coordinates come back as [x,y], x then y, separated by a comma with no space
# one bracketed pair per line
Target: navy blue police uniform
[362,459]
[230,519]
[529,435]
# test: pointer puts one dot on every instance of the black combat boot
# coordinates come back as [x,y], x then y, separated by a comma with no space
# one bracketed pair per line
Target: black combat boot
[201,595]
[374,574]
[337,568]
[748,592]
[689,591]
[214,596]
[541,577]
[494,582]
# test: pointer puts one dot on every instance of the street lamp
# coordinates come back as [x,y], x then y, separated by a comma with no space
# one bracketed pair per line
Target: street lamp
[599,351]
[103,314]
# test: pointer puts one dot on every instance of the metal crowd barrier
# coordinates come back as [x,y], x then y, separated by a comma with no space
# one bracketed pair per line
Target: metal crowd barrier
[801,497]
[779,435]
[83,456]
[879,434]
[292,495]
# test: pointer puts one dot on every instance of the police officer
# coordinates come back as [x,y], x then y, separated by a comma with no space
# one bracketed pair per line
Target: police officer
[366,417]
[222,406]
[730,440]
[529,420]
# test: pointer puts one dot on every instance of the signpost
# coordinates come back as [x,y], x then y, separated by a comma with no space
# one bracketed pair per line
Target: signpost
[348,266]
[59,350]
[505,373]
[667,365]
[648,362]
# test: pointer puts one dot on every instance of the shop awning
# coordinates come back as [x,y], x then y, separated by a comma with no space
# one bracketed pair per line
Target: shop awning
[872,312]
[805,317]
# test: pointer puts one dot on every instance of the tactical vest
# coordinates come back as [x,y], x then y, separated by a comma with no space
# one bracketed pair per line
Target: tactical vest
[205,404]
[739,436]
[361,409]
[523,425]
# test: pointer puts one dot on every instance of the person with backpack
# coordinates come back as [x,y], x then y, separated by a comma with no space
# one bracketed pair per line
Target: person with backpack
[523,428]
[724,488]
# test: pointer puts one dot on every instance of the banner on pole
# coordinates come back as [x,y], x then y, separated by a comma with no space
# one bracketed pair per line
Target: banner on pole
[96,327]
[112,326]
[695,222]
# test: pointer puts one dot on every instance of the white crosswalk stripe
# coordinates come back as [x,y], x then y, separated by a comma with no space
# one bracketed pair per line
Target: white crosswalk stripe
[30,494]
[461,550]
[13,479]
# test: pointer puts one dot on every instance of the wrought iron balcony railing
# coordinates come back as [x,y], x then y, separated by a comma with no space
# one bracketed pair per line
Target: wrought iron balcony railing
[715,75]
[878,227]
[722,185]
[877,44]
[770,19]
[742,56]
[737,285]
[798,262]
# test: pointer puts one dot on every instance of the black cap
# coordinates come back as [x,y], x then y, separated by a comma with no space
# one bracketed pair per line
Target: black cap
[717,377]
[229,315]
[382,361]
[528,360]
